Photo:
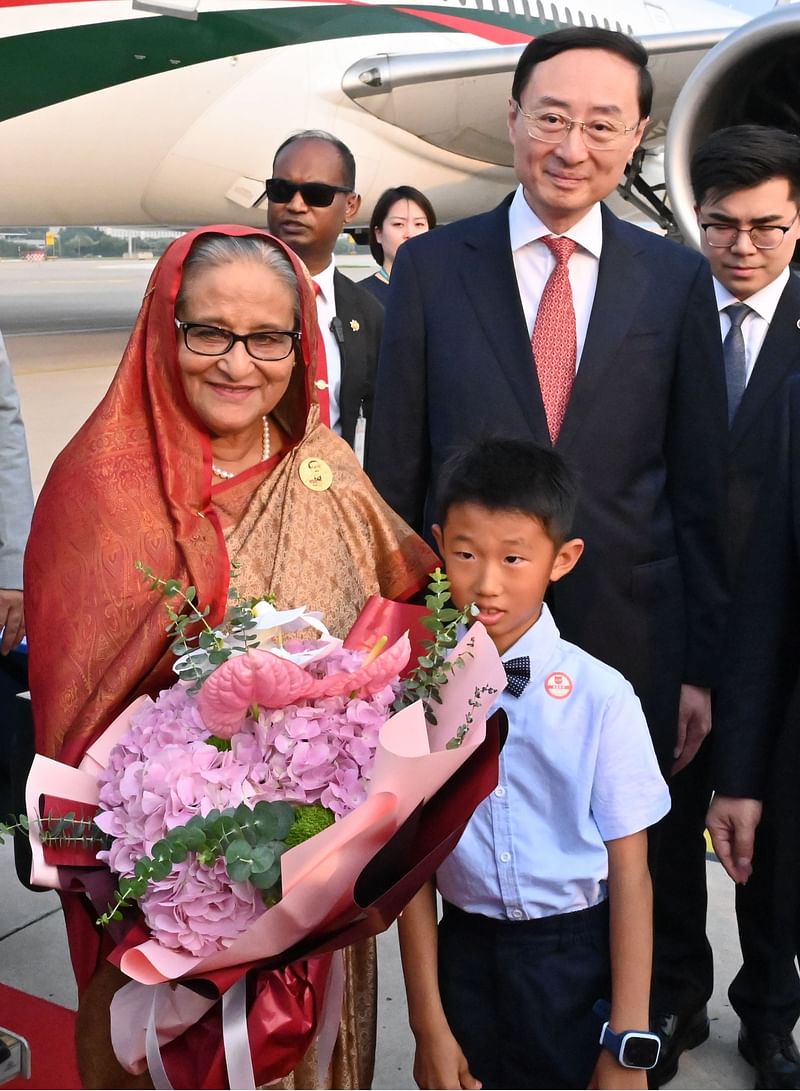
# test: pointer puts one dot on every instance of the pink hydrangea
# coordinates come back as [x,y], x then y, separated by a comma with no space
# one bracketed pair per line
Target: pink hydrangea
[199,909]
[164,771]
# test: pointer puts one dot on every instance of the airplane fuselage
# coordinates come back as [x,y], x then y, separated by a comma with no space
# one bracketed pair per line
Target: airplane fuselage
[110,115]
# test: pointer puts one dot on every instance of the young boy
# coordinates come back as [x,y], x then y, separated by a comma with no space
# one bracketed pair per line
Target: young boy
[547,897]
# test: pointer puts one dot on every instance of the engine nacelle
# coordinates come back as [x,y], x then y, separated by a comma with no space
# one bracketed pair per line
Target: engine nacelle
[752,76]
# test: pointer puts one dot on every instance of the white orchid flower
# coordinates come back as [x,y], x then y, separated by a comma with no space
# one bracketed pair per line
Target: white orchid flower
[272,625]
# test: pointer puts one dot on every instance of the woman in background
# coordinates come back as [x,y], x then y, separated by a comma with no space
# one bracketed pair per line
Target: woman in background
[400,213]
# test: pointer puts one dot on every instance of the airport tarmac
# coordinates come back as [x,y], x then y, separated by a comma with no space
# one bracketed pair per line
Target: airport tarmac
[66,325]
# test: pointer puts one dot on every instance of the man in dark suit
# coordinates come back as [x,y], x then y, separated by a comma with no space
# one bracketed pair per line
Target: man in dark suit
[628,387]
[311,198]
[754,819]
[746,182]
[16,507]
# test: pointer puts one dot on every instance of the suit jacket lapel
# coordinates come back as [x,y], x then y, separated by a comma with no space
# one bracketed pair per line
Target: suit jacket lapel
[621,282]
[489,280]
[353,352]
[779,356]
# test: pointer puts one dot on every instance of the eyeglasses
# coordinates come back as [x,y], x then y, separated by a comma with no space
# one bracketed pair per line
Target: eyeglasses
[212,341]
[763,237]
[316,194]
[552,128]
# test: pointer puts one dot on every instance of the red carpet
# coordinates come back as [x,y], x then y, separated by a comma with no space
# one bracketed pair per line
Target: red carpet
[49,1029]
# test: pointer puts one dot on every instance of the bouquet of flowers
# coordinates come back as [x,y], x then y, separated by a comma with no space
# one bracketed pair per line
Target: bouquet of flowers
[285,797]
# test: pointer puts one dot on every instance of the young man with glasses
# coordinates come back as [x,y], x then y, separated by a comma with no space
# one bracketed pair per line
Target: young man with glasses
[311,198]
[746,182]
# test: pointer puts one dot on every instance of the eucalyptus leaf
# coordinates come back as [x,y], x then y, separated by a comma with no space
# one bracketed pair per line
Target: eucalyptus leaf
[179,852]
[240,871]
[193,838]
[266,879]
[160,870]
[263,857]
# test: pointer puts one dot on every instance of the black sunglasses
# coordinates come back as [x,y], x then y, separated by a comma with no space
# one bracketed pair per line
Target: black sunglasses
[316,194]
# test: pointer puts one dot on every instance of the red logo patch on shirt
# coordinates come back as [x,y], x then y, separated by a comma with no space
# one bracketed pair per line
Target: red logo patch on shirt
[558,685]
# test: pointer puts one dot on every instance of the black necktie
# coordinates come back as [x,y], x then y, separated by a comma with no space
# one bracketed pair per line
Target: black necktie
[518,674]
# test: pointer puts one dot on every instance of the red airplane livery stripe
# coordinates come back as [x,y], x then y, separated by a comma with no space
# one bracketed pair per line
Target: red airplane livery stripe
[498,35]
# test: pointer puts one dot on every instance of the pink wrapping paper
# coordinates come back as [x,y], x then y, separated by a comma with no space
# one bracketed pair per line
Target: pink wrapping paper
[318,876]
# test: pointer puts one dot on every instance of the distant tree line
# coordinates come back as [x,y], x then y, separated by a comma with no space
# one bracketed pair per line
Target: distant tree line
[78,242]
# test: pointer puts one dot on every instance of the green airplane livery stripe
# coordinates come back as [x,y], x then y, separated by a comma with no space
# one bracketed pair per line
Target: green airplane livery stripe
[45,67]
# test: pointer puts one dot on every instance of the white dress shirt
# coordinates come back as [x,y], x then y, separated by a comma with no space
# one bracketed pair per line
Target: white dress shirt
[326,312]
[577,770]
[763,304]
[533,262]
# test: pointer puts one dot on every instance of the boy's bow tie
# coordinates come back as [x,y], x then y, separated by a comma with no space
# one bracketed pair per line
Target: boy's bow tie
[518,674]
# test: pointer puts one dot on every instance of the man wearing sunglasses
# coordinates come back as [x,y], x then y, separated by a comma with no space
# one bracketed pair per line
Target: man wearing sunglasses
[746,182]
[312,197]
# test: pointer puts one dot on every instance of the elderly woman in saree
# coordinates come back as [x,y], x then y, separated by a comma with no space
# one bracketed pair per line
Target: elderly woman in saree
[206,451]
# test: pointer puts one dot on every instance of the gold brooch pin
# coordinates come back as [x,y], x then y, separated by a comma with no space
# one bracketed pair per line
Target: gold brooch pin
[355,325]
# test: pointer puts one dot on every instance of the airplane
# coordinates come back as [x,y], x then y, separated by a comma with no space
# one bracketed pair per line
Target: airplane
[119,112]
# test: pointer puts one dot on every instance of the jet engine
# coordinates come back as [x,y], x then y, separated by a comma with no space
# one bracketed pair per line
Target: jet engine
[751,77]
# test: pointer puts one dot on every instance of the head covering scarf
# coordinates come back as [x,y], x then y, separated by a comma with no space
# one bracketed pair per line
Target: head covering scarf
[135,485]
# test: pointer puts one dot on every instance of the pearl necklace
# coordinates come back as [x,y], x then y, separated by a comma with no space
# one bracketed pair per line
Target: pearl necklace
[226,475]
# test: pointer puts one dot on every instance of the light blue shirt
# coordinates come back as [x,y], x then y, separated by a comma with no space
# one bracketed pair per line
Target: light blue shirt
[577,770]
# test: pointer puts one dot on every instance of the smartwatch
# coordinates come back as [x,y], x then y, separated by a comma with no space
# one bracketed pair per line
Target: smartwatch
[632,1048]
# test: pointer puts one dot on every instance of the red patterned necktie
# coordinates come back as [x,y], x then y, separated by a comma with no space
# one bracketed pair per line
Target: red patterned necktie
[321,381]
[554,341]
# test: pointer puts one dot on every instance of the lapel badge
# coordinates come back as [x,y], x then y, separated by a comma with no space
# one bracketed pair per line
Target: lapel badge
[355,325]
[316,474]
[558,685]
[320,384]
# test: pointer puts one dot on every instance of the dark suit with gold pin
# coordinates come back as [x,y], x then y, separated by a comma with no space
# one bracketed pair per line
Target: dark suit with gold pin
[358,334]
